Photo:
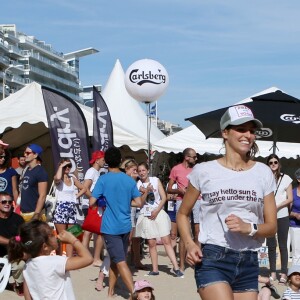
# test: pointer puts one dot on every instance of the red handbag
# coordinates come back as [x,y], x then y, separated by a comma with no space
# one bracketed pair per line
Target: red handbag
[92,221]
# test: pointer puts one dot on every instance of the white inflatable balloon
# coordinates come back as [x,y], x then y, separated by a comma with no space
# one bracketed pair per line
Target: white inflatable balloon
[146,80]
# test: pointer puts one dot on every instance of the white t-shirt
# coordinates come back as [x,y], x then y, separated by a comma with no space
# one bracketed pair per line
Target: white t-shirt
[281,195]
[153,204]
[47,279]
[91,174]
[226,192]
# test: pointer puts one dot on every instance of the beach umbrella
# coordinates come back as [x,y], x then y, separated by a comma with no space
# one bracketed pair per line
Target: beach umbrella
[278,111]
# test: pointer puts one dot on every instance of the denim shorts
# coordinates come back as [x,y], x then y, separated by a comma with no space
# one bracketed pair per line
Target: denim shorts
[117,246]
[223,265]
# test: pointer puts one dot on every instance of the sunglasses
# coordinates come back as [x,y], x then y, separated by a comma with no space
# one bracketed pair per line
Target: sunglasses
[27,152]
[273,163]
[6,202]
[2,156]
[68,166]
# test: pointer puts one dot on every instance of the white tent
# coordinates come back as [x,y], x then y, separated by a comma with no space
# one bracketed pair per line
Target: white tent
[125,111]
[194,138]
[26,107]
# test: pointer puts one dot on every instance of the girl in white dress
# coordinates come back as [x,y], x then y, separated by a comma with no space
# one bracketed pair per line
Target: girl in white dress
[153,221]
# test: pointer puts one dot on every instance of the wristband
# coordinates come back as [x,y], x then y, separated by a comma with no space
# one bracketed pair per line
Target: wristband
[253,229]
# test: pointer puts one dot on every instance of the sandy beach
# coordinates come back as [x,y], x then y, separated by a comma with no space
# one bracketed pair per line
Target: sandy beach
[166,285]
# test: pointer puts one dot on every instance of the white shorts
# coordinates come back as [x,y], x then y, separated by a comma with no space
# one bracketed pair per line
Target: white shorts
[152,229]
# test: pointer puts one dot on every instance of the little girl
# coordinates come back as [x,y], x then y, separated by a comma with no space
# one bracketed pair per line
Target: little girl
[45,276]
[143,290]
[293,291]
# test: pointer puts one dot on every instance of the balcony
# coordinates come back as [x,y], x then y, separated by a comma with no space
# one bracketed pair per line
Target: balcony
[30,42]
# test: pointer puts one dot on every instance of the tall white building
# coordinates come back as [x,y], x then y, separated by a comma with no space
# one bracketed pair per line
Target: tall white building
[24,59]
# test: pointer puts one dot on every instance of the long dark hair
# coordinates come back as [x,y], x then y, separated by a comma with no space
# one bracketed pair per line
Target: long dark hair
[278,171]
[32,236]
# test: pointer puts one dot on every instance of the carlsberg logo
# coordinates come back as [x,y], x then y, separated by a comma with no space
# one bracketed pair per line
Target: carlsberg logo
[146,77]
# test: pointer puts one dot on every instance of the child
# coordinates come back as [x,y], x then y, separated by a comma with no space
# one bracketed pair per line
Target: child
[293,292]
[45,276]
[143,290]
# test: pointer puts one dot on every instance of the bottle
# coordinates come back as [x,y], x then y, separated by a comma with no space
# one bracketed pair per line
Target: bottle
[76,230]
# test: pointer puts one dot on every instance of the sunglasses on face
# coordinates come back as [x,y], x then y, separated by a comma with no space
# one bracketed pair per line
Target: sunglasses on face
[6,202]
[27,152]
[68,166]
[2,156]
[273,163]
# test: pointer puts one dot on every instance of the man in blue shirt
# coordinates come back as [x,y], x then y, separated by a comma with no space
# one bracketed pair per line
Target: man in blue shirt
[121,193]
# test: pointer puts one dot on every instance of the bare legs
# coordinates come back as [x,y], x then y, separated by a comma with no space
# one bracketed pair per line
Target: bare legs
[122,269]
[169,250]
[98,246]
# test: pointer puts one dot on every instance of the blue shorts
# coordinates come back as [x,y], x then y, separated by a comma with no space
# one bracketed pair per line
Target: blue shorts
[117,246]
[223,265]
[172,213]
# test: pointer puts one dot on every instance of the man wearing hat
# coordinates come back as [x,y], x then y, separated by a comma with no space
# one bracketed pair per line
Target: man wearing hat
[91,176]
[34,185]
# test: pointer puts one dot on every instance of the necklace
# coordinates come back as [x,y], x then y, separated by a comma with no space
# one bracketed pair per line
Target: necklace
[237,170]
[230,167]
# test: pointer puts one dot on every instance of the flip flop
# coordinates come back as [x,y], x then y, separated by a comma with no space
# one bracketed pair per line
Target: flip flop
[282,281]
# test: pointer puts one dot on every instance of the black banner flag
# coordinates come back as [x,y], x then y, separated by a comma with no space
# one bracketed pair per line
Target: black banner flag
[68,130]
[102,124]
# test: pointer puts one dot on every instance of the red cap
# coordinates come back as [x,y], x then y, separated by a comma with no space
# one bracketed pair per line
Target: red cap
[96,155]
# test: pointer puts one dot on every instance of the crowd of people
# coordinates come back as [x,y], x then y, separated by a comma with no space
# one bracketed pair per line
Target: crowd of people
[218,213]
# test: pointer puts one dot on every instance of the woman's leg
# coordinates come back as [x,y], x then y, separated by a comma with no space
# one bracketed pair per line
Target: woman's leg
[170,251]
[98,246]
[153,254]
[282,234]
[295,240]
[271,243]
[173,235]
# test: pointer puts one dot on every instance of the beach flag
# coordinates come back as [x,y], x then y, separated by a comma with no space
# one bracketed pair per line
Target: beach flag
[153,110]
[102,124]
[68,130]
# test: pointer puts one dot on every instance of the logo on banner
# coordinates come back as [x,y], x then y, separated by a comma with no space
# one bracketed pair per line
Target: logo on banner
[263,133]
[67,140]
[290,118]
[101,116]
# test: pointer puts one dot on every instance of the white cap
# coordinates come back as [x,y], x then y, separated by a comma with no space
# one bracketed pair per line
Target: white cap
[293,269]
[237,115]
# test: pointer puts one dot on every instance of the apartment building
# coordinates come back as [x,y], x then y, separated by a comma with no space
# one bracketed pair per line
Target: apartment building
[24,59]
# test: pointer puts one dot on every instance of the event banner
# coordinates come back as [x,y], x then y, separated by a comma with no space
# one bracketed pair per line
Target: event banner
[102,125]
[68,130]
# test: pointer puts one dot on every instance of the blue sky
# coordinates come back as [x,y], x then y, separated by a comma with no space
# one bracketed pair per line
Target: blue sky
[216,52]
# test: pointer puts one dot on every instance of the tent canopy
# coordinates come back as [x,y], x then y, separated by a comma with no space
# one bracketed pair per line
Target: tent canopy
[192,137]
[26,107]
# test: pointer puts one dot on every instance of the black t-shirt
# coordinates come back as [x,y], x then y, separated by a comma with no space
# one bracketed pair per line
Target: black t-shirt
[9,228]
[30,192]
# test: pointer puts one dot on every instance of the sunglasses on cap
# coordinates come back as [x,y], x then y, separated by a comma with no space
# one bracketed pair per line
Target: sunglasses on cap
[6,202]
[273,163]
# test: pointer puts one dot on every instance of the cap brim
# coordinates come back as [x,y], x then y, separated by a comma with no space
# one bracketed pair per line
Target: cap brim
[245,120]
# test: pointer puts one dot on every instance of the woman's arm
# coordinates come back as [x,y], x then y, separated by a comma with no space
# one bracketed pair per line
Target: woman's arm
[14,188]
[82,189]
[194,253]
[289,198]
[267,229]
[163,199]
[59,173]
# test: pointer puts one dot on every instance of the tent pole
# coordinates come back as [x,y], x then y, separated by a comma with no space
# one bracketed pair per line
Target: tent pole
[148,137]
